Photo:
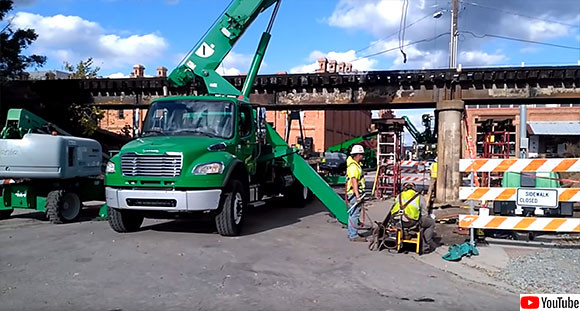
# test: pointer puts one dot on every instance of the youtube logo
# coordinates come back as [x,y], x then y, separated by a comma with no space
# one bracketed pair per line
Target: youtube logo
[530,302]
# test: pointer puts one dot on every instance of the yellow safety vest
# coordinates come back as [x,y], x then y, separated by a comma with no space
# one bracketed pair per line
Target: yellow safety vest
[354,170]
[413,209]
[434,170]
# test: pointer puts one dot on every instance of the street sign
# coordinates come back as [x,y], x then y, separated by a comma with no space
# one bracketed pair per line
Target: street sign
[537,197]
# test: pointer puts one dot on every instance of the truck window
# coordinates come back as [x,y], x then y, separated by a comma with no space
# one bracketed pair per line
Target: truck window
[190,117]
[245,121]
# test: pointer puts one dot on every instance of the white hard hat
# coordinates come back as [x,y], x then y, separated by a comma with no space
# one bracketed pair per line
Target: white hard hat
[357,149]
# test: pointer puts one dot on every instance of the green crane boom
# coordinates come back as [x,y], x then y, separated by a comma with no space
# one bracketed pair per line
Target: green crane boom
[211,50]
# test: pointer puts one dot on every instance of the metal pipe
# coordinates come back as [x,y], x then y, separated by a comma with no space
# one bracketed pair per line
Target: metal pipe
[523,132]
[274,13]
[471,211]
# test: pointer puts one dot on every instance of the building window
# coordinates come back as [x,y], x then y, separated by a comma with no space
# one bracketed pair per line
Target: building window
[121,114]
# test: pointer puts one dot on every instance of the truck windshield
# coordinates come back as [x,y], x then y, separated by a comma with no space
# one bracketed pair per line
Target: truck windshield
[190,117]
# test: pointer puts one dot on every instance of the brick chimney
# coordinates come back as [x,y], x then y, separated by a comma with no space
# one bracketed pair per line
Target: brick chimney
[348,67]
[341,67]
[162,72]
[138,71]
[322,62]
[331,66]
[281,72]
[50,75]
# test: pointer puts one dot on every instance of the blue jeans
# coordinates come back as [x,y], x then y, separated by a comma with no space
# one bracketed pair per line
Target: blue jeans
[353,217]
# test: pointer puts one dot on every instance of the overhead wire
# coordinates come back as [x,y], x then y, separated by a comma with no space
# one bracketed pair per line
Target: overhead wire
[404,45]
[486,35]
[393,34]
[402,28]
[474,4]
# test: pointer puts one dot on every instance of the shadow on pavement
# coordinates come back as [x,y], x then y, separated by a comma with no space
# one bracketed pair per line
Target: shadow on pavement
[274,214]
[87,213]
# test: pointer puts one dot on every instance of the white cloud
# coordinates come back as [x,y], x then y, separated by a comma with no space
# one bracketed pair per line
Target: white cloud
[72,38]
[235,64]
[118,75]
[376,16]
[360,64]
[538,21]
[479,58]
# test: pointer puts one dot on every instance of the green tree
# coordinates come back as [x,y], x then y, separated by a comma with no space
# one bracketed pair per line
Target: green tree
[85,117]
[12,43]
[83,70]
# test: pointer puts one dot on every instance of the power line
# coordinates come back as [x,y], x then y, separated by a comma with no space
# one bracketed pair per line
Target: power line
[518,14]
[520,40]
[403,27]
[393,34]
[396,48]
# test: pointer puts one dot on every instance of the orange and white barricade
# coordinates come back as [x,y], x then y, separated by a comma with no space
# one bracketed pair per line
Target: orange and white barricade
[485,221]
[520,223]
[509,194]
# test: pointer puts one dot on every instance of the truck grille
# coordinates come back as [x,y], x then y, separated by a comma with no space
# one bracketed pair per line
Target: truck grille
[138,165]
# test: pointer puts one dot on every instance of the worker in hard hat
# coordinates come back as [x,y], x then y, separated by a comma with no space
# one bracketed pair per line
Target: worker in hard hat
[414,213]
[355,188]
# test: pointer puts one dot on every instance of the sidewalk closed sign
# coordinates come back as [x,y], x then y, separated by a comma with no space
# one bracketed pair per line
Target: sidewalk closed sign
[537,197]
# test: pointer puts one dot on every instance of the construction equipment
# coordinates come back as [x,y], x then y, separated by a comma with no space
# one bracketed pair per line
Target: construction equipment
[210,155]
[425,147]
[333,163]
[47,172]
[369,160]
[389,149]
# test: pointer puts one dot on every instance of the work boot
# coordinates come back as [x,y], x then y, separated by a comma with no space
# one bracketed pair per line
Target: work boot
[358,239]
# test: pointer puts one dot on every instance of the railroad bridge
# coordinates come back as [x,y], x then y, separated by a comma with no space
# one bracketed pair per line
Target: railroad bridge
[446,90]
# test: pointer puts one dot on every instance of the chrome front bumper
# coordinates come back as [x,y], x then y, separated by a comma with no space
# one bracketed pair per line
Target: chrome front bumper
[160,200]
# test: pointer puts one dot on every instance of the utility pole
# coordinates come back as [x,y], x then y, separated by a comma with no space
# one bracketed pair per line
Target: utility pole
[454,34]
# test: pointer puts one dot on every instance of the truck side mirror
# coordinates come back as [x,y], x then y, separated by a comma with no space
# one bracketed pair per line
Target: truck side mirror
[261,124]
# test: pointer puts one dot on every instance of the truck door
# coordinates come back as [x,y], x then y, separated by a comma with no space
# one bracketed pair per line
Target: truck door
[247,142]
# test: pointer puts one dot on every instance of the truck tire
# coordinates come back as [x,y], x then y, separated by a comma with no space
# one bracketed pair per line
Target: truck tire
[231,217]
[298,195]
[62,206]
[5,213]
[124,221]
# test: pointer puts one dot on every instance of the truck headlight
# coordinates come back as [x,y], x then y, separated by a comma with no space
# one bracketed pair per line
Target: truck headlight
[208,168]
[110,168]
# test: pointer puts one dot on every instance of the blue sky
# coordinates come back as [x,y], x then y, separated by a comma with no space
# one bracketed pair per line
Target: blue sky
[120,33]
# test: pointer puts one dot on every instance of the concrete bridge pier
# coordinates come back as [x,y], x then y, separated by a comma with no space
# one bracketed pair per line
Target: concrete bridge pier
[449,143]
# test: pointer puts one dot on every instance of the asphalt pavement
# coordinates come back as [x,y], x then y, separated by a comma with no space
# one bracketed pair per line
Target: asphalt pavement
[287,259]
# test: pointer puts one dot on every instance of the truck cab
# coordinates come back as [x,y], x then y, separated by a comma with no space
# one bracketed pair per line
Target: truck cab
[190,152]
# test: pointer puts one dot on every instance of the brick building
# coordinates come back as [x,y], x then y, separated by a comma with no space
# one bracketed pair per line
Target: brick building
[122,121]
[326,128]
[552,128]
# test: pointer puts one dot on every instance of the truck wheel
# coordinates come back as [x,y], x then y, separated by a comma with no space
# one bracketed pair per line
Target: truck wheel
[298,195]
[5,213]
[124,221]
[230,219]
[62,206]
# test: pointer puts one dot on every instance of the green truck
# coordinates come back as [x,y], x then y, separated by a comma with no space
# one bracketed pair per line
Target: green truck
[210,155]
[540,180]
